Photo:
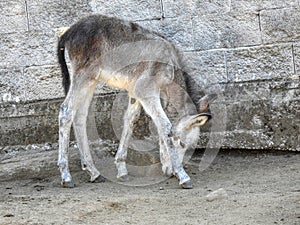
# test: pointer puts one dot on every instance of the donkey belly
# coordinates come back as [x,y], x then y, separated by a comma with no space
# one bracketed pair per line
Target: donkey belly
[116,80]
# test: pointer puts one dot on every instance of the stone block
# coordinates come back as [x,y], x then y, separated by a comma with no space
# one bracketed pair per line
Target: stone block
[100,124]
[35,84]
[31,84]
[11,84]
[29,109]
[13,16]
[208,67]
[258,5]
[246,91]
[174,8]
[296,51]
[279,124]
[129,10]
[48,15]
[27,123]
[179,30]
[260,63]
[28,130]
[259,115]
[11,48]
[28,49]
[280,25]
[37,122]
[207,70]
[42,82]
[226,31]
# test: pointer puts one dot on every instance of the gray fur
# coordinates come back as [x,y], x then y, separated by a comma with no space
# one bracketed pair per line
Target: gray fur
[146,65]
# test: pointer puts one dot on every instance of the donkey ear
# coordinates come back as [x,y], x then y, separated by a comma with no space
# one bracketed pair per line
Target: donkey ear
[197,120]
[203,103]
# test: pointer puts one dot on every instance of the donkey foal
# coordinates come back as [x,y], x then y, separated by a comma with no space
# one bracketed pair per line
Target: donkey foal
[146,65]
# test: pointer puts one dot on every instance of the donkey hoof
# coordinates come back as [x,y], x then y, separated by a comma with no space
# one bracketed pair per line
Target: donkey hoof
[167,171]
[187,185]
[99,179]
[123,178]
[67,184]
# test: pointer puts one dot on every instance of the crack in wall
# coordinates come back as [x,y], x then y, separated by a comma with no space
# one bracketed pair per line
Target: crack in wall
[293,58]
[162,10]
[27,15]
[226,67]
[260,27]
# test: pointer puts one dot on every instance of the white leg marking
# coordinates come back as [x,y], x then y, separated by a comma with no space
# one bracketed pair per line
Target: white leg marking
[165,159]
[131,115]
[65,122]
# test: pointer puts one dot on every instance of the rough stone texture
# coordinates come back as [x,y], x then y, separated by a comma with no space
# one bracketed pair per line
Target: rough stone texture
[43,82]
[280,25]
[258,5]
[262,63]
[24,49]
[273,116]
[225,31]
[37,122]
[208,66]
[29,123]
[296,51]
[262,115]
[179,30]
[47,15]
[10,88]
[246,51]
[12,16]
[176,8]
[129,10]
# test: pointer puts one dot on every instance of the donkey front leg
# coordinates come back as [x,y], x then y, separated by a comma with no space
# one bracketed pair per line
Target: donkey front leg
[153,107]
[131,115]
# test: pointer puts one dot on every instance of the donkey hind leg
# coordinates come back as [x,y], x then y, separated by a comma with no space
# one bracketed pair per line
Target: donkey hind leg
[68,109]
[80,130]
[131,115]
[152,106]
[65,121]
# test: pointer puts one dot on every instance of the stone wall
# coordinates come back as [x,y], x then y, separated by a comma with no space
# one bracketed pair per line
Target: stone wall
[248,50]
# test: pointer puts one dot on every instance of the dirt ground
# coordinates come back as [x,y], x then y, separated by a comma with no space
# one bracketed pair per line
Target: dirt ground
[257,188]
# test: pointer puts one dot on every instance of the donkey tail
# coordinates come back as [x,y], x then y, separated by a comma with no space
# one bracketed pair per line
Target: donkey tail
[62,62]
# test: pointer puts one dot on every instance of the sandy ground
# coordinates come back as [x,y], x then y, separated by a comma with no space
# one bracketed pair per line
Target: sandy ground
[258,188]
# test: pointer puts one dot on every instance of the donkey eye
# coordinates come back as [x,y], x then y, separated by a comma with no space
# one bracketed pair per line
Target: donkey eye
[182,144]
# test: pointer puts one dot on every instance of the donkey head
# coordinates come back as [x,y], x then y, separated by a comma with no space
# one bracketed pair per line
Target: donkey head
[187,129]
